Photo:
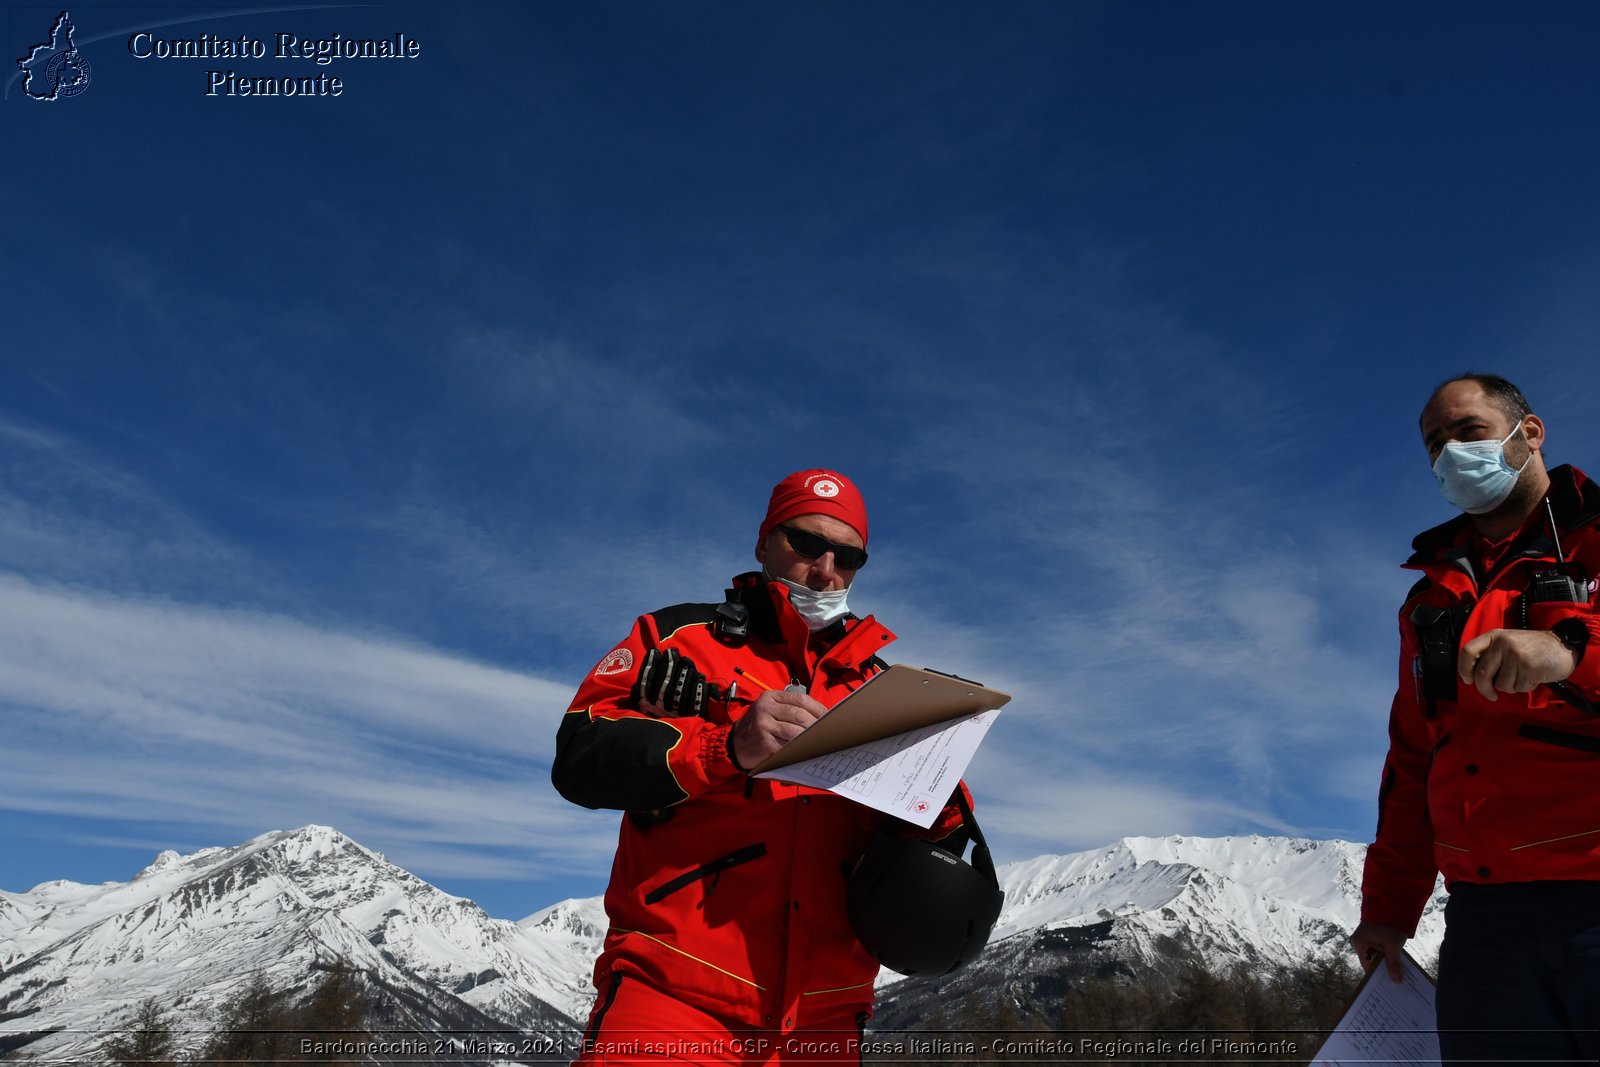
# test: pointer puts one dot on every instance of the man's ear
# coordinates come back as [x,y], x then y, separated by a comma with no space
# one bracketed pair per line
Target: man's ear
[1533,432]
[761,553]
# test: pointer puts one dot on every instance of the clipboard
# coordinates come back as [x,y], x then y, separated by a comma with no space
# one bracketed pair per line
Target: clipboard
[891,702]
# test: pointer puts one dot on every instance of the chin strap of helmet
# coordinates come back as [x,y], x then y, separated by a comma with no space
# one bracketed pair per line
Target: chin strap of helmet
[982,861]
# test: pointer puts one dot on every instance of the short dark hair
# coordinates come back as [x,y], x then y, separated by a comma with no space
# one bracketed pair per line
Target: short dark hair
[1507,397]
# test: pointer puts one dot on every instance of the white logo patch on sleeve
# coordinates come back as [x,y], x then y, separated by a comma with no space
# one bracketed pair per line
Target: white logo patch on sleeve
[616,661]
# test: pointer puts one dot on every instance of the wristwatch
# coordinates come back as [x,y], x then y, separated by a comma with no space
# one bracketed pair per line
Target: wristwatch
[1574,634]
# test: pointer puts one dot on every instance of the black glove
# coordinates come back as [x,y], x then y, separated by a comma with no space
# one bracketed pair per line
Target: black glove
[671,683]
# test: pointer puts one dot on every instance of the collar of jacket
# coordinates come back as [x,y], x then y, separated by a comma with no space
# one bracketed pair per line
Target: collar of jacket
[1574,500]
[775,621]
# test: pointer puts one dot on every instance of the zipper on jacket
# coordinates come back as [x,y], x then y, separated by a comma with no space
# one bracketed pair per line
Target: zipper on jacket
[712,870]
[592,1033]
[1574,697]
[1563,738]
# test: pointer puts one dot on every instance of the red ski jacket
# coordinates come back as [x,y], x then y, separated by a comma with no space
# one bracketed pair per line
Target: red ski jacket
[1502,791]
[727,892]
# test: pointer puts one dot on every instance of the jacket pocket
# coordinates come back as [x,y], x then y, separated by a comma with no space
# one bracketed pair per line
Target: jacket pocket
[707,870]
[1564,738]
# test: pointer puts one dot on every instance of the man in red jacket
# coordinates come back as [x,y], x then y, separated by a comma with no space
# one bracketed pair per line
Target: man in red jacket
[729,940]
[1493,772]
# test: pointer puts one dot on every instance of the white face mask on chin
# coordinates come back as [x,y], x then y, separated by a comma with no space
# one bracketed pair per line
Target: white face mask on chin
[820,608]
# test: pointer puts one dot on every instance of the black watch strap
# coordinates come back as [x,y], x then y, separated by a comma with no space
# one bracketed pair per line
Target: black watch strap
[1573,633]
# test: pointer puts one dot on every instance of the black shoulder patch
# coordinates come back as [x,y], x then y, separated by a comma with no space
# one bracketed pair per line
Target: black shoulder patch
[1421,584]
[670,620]
[616,763]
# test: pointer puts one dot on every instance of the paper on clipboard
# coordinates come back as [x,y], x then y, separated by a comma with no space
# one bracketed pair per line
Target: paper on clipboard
[898,699]
[899,744]
[908,775]
[1386,1022]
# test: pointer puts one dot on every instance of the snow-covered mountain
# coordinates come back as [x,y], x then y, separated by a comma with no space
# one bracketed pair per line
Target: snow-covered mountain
[192,930]
[1229,898]
[1145,905]
[566,938]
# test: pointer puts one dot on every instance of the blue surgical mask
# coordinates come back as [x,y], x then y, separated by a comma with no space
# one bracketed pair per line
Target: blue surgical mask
[1474,475]
[820,608]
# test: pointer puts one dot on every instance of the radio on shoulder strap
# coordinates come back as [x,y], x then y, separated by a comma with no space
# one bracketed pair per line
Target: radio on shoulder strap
[1439,645]
[732,622]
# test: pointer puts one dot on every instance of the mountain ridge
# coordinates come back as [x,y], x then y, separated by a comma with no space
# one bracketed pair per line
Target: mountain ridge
[192,929]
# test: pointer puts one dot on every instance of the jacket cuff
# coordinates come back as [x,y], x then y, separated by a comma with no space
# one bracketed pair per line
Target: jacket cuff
[716,756]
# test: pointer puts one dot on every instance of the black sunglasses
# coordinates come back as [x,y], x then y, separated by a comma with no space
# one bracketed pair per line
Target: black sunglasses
[810,545]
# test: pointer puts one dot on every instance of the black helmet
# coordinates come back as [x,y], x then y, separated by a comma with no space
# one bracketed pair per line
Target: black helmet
[918,908]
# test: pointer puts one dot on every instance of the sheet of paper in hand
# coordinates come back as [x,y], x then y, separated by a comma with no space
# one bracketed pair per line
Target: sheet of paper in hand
[1386,1022]
[898,744]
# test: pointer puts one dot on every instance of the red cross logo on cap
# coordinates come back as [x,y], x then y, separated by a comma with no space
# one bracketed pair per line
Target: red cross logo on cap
[826,487]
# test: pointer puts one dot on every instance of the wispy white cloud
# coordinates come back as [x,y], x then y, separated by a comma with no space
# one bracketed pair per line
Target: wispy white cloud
[67,513]
[1192,642]
[1089,807]
[571,581]
[1172,649]
[1173,656]
[123,709]
[551,383]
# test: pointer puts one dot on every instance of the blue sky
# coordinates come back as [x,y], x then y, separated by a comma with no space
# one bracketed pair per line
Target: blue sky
[340,436]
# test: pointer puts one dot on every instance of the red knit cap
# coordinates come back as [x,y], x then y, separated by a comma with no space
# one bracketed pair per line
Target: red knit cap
[816,492]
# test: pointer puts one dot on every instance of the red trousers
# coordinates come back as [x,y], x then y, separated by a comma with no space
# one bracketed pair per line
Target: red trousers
[633,1023]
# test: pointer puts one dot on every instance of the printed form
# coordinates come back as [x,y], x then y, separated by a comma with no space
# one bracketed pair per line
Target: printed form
[909,775]
[1386,1023]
